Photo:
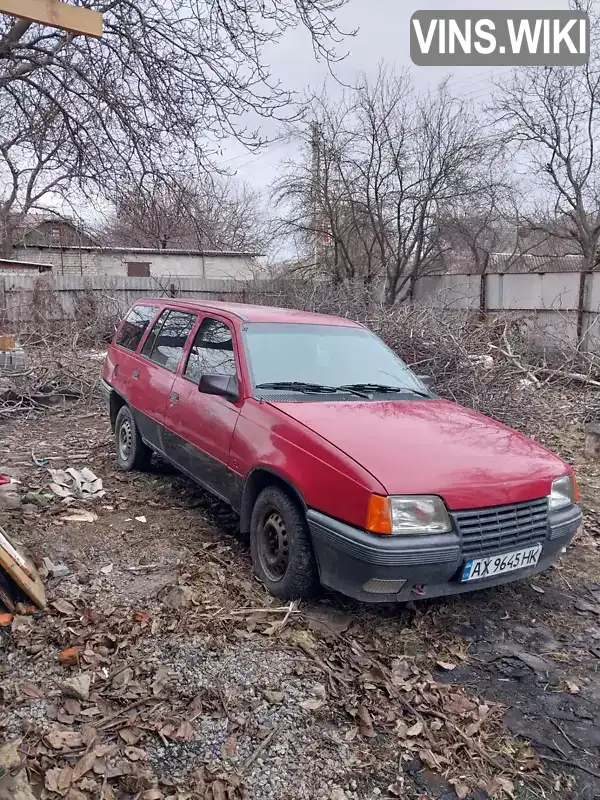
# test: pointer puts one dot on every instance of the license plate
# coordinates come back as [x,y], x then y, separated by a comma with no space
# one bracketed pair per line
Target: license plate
[478,568]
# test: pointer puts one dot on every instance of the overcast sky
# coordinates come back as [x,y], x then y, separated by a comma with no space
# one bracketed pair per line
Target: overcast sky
[383,35]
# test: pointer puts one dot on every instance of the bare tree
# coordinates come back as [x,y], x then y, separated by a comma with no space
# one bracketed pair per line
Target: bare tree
[213,212]
[552,116]
[385,161]
[166,82]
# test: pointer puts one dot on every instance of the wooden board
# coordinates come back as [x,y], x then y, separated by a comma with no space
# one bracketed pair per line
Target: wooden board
[22,570]
[56,15]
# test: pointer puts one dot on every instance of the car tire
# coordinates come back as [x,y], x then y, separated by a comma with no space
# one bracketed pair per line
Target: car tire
[282,553]
[132,453]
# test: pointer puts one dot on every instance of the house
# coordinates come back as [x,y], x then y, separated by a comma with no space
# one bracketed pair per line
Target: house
[48,230]
[11,268]
[140,262]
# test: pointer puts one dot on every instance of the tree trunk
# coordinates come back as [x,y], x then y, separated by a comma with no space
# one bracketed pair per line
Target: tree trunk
[581,336]
[482,295]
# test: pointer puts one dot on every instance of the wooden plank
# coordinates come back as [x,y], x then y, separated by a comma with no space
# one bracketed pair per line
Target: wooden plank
[56,15]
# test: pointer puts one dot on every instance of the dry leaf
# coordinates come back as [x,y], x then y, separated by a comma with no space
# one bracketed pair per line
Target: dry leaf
[30,690]
[185,731]
[90,736]
[107,569]
[473,728]
[99,766]
[397,789]
[122,679]
[61,739]
[447,665]
[462,791]
[153,794]
[429,758]
[537,589]
[312,704]
[51,779]
[572,687]
[351,734]
[65,777]
[229,747]
[118,769]
[84,765]
[64,607]
[130,735]
[135,754]
[218,790]
[72,706]
[366,722]
[415,730]
[75,794]
[499,786]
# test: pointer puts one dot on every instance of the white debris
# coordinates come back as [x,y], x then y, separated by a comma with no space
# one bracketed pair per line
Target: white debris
[72,483]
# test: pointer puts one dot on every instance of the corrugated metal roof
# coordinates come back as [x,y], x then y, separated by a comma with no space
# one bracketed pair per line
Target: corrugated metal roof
[464,264]
[9,263]
[147,251]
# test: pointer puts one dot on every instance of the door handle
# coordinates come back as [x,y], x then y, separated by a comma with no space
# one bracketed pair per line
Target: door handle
[174,396]
[135,374]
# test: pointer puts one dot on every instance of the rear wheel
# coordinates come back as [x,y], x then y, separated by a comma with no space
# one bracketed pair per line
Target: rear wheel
[132,453]
[282,554]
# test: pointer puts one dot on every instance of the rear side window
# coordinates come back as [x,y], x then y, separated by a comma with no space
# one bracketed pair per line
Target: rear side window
[167,338]
[212,351]
[134,327]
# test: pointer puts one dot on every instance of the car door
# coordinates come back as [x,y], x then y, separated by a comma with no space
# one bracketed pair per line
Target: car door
[154,372]
[200,426]
[121,361]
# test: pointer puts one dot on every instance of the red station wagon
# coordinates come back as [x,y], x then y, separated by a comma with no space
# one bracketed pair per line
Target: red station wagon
[344,468]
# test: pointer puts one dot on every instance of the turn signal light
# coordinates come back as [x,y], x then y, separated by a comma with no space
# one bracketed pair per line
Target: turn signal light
[379,518]
[575,489]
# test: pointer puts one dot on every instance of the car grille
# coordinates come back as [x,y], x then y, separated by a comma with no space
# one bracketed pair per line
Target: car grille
[485,531]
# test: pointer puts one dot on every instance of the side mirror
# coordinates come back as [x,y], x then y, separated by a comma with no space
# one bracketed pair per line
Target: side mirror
[426,380]
[222,385]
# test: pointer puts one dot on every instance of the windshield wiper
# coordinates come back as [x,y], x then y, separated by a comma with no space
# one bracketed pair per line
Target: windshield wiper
[383,388]
[317,388]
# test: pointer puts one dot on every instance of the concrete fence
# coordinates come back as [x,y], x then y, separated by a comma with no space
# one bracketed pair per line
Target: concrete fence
[551,297]
[24,298]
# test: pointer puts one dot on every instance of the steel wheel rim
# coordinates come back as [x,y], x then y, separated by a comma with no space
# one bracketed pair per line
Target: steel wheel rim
[125,439]
[273,546]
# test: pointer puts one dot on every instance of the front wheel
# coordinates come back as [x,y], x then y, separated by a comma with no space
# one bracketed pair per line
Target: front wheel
[132,453]
[282,554]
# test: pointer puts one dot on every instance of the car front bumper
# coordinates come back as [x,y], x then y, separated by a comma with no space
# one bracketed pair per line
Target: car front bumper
[360,564]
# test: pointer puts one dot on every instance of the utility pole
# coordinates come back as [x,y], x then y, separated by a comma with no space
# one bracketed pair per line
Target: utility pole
[54,14]
[316,190]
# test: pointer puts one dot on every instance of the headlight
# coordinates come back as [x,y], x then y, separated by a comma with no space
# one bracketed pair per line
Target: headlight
[409,514]
[564,493]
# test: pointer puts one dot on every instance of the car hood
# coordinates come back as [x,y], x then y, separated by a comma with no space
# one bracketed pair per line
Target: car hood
[434,447]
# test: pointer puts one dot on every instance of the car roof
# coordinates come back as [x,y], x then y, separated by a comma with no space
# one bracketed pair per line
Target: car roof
[252,313]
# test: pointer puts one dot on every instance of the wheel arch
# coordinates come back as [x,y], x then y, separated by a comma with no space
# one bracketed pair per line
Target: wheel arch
[257,480]
[116,403]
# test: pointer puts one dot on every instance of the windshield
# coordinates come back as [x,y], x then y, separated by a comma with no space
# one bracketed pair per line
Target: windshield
[323,354]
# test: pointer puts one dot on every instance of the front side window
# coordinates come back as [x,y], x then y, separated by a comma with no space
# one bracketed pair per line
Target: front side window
[167,339]
[212,351]
[327,355]
[134,327]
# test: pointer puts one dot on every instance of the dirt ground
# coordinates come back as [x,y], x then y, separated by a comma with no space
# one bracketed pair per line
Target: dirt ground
[202,686]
